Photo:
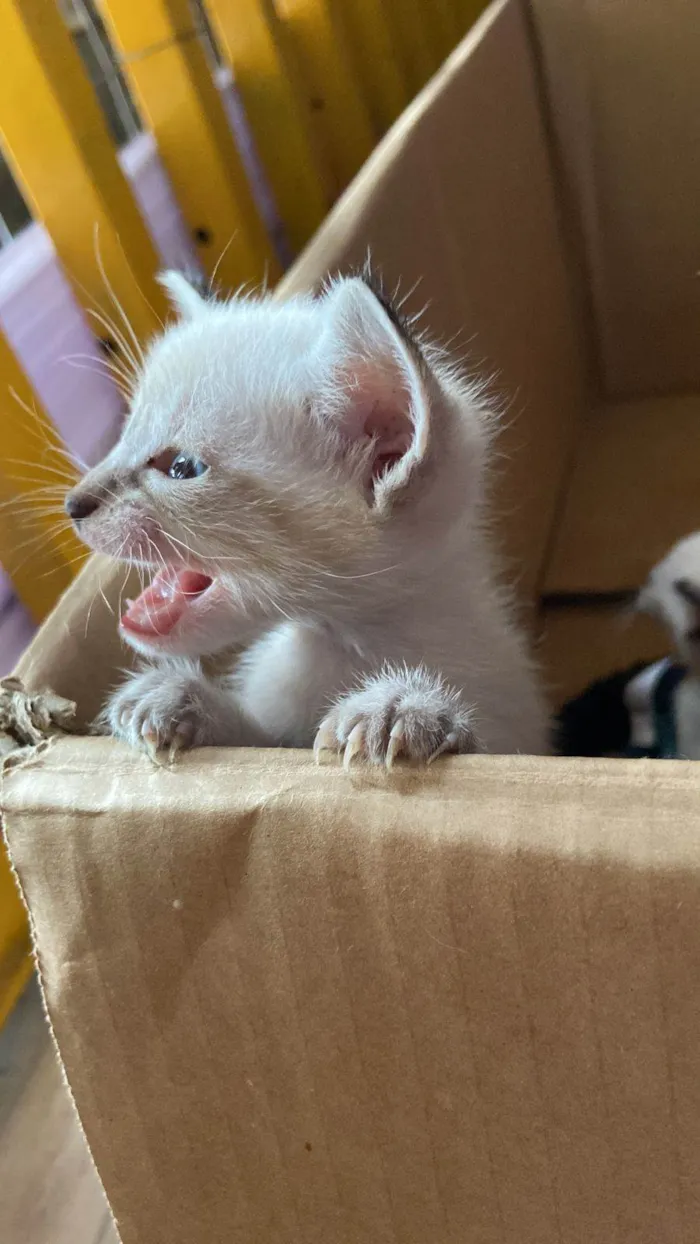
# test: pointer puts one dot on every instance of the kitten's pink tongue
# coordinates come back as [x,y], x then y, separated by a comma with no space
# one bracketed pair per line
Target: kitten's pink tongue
[157,610]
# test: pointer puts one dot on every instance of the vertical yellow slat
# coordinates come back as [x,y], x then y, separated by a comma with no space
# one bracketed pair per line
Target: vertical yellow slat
[164,61]
[337,107]
[38,550]
[41,560]
[253,40]
[58,144]
[376,61]
[410,31]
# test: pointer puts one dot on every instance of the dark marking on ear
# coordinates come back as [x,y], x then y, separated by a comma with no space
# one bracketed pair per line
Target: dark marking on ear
[691,594]
[402,323]
[688,591]
[203,286]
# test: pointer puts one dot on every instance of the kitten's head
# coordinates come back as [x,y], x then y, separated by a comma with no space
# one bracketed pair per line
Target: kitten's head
[671,594]
[280,458]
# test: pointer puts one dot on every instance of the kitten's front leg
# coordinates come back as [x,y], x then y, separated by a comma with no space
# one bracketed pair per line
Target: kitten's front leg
[173,706]
[398,712]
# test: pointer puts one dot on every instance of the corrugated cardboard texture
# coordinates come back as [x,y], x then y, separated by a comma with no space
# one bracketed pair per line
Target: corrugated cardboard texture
[622,79]
[298,1006]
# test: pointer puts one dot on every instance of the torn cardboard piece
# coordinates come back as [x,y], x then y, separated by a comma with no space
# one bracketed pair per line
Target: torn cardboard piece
[29,718]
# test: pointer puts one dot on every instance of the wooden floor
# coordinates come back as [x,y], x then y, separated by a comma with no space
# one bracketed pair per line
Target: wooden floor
[49,1192]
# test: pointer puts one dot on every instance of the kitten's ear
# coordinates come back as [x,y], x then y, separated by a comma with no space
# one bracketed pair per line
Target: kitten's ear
[643,601]
[184,298]
[376,393]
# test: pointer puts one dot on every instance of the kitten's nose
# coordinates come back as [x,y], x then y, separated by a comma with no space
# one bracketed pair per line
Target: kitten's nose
[80,505]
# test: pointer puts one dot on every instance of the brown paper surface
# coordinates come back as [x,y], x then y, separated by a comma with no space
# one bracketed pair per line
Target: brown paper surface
[297,1005]
[621,84]
[633,492]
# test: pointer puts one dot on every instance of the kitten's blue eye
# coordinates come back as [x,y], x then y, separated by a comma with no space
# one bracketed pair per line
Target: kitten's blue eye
[184,467]
[176,465]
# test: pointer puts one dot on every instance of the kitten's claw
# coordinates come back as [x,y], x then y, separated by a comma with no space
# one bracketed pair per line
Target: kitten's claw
[150,742]
[182,739]
[325,741]
[409,714]
[355,745]
[397,740]
[449,744]
[161,712]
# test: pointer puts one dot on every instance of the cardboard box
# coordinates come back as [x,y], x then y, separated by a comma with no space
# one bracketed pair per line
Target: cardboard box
[462,1007]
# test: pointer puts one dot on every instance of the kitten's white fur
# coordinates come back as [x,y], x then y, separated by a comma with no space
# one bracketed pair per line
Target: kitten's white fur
[668,596]
[342,518]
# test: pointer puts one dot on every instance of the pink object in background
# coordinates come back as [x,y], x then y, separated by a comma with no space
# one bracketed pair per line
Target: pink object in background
[53,340]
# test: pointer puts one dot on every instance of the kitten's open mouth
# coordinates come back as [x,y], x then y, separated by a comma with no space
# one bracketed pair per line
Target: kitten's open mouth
[160,607]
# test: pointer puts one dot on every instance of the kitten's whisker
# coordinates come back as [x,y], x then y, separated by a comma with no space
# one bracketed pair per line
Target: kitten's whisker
[101,584]
[279,609]
[89,613]
[369,574]
[115,300]
[96,311]
[38,546]
[100,362]
[105,372]
[73,561]
[41,427]
[117,305]
[217,265]
[173,541]
[108,326]
[26,504]
[129,566]
[60,472]
[104,597]
[32,552]
[53,487]
[117,557]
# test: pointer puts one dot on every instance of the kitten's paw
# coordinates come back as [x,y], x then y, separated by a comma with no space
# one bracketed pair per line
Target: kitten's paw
[162,710]
[398,713]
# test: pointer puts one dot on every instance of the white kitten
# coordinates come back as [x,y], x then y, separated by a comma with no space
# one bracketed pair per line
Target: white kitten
[307,481]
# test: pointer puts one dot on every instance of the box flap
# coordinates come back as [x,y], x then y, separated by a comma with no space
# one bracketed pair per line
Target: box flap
[77,652]
[634,491]
[622,81]
[299,1005]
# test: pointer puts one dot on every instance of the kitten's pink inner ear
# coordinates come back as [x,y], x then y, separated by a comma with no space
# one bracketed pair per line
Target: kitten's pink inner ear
[375,392]
[392,433]
[378,408]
